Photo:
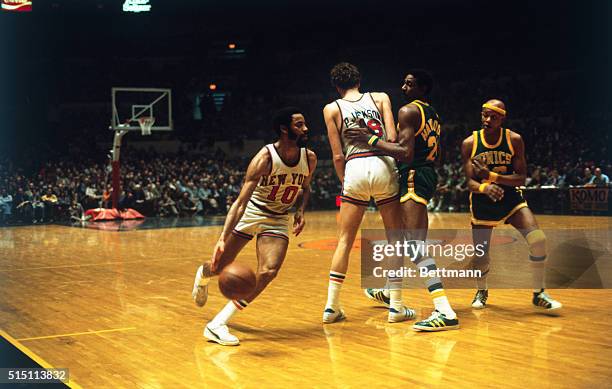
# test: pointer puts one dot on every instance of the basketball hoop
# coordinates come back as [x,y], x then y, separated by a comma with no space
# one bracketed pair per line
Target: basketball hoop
[146,122]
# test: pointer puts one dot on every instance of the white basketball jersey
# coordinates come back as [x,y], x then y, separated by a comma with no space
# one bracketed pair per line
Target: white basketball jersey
[365,108]
[277,192]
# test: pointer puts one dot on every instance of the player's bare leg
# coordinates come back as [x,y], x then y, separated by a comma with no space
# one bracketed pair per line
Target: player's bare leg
[415,220]
[481,235]
[233,246]
[524,221]
[393,227]
[271,252]
[350,219]
[217,331]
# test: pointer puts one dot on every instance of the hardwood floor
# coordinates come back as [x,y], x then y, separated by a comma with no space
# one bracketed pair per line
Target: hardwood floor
[115,308]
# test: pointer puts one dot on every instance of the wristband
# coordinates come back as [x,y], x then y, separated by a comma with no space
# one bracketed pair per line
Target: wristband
[373,140]
[493,176]
[482,187]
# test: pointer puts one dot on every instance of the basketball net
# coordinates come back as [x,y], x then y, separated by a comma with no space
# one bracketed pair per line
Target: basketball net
[146,122]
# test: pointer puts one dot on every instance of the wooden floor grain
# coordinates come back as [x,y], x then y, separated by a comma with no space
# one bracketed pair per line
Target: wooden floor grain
[116,309]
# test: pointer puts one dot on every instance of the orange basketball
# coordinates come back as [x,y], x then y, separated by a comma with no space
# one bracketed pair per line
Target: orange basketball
[237,281]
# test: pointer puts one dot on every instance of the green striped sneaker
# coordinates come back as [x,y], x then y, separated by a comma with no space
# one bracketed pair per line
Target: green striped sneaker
[436,322]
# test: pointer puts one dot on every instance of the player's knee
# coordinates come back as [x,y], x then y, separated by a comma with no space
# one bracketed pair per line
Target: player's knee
[416,251]
[394,235]
[267,275]
[536,240]
[345,242]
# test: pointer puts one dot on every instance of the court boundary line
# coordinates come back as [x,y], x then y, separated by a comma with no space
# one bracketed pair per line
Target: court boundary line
[37,358]
[76,334]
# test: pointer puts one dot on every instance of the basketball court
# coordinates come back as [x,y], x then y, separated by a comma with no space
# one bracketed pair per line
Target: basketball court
[115,308]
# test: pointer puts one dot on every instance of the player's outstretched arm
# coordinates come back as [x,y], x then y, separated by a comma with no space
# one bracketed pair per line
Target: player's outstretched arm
[298,221]
[408,121]
[330,112]
[494,192]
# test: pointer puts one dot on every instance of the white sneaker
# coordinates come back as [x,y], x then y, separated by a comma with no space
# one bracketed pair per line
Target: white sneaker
[199,292]
[377,295]
[220,335]
[403,314]
[332,316]
[543,300]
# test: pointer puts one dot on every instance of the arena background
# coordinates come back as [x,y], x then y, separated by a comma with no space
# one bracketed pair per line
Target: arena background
[545,60]
[115,307]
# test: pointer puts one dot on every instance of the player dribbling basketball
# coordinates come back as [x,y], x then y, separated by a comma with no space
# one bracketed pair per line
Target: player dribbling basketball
[277,178]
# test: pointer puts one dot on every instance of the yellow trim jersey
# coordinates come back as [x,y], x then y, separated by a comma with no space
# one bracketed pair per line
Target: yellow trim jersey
[427,138]
[497,156]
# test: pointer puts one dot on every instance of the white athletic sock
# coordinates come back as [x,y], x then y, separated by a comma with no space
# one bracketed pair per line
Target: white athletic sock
[435,288]
[395,294]
[441,303]
[333,290]
[538,269]
[224,316]
[395,297]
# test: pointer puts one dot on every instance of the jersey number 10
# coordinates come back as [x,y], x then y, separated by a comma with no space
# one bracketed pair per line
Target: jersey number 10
[288,194]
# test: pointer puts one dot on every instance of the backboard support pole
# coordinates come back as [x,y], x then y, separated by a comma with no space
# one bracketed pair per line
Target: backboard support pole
[116,167]
[131,105]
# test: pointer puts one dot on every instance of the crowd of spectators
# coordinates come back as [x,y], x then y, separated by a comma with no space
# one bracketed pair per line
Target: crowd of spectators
[181,185]
[452,193]
[561,149]
[170,185]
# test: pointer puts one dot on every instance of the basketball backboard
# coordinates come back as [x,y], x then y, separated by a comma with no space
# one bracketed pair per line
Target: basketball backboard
[130,104]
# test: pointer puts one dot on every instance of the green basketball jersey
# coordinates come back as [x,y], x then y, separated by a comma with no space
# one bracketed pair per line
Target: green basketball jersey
[497,156]
[427,137]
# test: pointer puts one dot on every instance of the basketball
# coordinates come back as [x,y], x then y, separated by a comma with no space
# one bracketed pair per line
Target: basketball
[237,281]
